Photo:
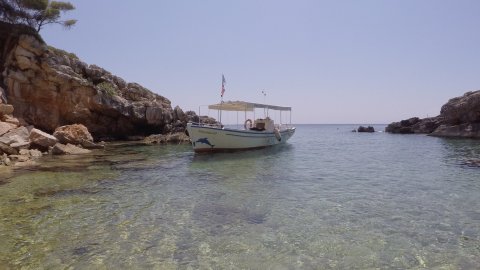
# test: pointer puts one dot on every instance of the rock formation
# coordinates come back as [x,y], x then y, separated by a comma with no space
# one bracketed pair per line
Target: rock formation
[69,149]
[178,137]
[74,134]
[45,90]
[23,144]
[368,129]
[42,139]
[459,117]
[415,125]
[193,117]
[50,88]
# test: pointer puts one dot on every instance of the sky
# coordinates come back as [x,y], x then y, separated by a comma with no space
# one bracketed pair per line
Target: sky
[333,62]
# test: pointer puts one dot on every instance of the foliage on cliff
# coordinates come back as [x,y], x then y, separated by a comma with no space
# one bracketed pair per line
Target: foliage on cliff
[58,51]
[35,13]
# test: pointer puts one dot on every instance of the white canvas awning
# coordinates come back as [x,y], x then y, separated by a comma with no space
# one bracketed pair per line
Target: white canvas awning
[245,106]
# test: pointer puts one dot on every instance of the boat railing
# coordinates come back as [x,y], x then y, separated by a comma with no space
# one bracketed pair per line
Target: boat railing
[283,126]
[216,125]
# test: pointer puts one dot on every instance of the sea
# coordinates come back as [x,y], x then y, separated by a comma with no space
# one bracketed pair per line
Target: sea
[329,198]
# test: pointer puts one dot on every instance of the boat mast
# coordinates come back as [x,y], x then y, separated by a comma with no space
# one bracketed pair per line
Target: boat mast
[221,97]
[290,117]
[220,111]
[264,102]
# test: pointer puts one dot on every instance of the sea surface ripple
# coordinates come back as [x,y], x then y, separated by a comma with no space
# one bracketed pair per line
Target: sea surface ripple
[328,199]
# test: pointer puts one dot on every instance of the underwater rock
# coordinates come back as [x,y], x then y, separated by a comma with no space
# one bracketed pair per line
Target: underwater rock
[69,149]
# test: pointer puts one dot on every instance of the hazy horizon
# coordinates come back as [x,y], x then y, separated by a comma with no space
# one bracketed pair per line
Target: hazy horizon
[332,61]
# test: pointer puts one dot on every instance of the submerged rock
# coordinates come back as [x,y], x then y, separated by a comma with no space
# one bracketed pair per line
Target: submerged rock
[178,137]
[92,145]
[69,149]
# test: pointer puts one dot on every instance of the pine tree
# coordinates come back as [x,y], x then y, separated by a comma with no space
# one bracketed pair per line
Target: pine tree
[35,13]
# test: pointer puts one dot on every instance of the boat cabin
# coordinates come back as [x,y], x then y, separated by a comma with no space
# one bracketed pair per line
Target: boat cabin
[263,124]
[259,124]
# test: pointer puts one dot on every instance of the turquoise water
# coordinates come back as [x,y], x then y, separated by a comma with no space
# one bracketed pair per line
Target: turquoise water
[329,199]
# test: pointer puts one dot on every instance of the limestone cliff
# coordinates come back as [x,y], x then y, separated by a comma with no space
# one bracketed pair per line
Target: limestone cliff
[459,117]
[50,88]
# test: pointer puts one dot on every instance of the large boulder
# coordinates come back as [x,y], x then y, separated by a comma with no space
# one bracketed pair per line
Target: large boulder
[74,134]
[178,114]
[43,139]
[464,109]
[192,117]
[17,135]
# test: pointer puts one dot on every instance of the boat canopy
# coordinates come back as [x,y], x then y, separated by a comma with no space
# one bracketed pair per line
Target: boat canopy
[245,106]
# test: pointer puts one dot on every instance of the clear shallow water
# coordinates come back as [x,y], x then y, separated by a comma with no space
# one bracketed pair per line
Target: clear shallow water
[329,199]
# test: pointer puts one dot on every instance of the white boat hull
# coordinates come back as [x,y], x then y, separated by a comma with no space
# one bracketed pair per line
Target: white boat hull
[214,139]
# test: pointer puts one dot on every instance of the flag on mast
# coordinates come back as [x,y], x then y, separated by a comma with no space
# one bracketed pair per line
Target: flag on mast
[223,86]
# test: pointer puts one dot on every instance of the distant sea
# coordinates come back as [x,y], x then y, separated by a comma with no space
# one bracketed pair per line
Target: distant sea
[328,199]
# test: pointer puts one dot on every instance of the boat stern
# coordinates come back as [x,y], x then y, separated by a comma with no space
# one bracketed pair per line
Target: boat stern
[202,138]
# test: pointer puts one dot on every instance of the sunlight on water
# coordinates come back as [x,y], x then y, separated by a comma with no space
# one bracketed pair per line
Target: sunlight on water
[329,199]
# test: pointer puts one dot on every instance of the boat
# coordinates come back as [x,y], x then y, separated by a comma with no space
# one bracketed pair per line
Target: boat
[260,133]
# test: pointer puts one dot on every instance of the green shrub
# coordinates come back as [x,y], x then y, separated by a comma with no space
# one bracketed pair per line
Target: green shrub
[62,52]
[108,88]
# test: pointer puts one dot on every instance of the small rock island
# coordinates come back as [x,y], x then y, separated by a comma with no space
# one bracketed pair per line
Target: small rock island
[368,129]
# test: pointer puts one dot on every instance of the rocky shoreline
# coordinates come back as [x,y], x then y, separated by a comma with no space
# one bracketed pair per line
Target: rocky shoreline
[45,91]
[459,118]
[23,144]
[49,88]
[53,103]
